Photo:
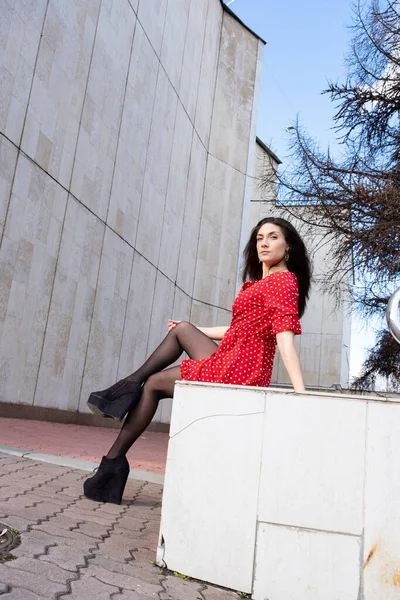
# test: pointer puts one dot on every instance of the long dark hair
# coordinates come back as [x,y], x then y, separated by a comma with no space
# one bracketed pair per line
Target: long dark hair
[298,261]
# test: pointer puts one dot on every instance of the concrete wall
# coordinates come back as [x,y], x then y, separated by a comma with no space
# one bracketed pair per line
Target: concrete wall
[126,144]
[298,508]
[324,345]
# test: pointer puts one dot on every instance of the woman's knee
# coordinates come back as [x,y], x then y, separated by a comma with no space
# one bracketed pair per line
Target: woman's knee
[182,327]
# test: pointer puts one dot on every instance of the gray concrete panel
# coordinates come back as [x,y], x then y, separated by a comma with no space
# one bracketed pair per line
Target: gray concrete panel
[157,170]
[208,73]
[192,215]
[99,130]
[177,197]
[8,162]
[152,18]
[28,259]
[234,95]
[107,326]
[20,29]
[133,139]
[176,20]
[59,84]
[71,310]
[215,280]
[138,316]
[192,54]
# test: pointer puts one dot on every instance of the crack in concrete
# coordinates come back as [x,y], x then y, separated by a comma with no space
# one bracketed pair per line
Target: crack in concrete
[212,417]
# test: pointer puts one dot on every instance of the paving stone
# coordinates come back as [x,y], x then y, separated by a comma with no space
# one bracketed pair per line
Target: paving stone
[148,572]
[130,523]
[15,522]
[66,557]
[211,593]
[90,587]
[123,581]
[94,530]
[130,595]
[22,594]
[47,570]
[34,583]
[64,536]
[34,543]
[144,555]
[179,589]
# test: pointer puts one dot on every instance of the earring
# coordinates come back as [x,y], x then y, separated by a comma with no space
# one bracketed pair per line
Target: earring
[286,256]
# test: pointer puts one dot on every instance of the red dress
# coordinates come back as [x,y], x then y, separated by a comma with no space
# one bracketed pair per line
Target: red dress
[245,355]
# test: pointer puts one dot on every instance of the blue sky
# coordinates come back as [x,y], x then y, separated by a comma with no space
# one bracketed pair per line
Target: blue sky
[306,46]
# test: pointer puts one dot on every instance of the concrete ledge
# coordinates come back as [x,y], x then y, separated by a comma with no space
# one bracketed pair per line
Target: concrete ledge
[75,463]
[10,410]
[286,496]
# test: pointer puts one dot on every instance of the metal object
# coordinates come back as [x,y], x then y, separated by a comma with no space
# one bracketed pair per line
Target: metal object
[9,539]
[393,315]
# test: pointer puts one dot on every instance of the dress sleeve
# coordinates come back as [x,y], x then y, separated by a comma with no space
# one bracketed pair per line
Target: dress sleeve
[285,316]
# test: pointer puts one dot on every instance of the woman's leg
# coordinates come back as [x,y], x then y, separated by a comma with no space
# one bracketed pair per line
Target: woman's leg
[158,386]
[160,383]
[184,337]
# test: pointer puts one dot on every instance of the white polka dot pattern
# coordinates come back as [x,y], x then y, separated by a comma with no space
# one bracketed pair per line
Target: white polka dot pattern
[245,355]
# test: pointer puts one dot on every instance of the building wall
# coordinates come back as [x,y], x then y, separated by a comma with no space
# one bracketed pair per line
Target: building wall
[324,345]
[126,145]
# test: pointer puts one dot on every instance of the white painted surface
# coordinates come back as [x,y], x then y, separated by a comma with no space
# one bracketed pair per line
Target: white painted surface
[313,462]
[382,493]
[293,564]
[321,492]
[214,539]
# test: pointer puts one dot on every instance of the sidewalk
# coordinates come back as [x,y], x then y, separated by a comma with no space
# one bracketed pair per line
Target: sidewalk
[82,443]
[72,547]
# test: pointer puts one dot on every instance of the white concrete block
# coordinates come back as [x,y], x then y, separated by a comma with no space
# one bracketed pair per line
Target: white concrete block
[58,89]
[177,197]
[152,18]
[189,84]
[382,491]
[173,43]
[21,25]
[102,109]
[293,564]
[313,462]
[131,157]
[157,170]
[213,545]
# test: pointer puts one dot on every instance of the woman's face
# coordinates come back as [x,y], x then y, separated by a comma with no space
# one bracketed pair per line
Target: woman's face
[271,244]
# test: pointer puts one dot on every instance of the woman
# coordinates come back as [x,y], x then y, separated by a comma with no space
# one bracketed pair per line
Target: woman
[266,312]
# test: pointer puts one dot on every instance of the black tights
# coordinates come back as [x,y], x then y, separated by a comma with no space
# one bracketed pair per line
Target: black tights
[159,383]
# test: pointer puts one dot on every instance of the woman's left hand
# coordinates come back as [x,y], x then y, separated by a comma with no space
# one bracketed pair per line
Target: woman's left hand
[172,324]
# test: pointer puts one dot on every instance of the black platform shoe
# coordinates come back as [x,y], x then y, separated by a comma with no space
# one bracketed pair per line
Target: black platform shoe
[115,404]
[108,483]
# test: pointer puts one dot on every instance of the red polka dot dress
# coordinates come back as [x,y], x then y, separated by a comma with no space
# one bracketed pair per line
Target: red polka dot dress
[245,355]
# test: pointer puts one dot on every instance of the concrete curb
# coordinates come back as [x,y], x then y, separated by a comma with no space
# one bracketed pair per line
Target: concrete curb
[76,463]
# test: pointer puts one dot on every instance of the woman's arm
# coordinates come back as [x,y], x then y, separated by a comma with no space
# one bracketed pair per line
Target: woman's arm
[287,349]
[215,333]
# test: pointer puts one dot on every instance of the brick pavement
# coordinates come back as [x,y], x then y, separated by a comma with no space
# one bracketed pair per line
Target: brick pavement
[78,549]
